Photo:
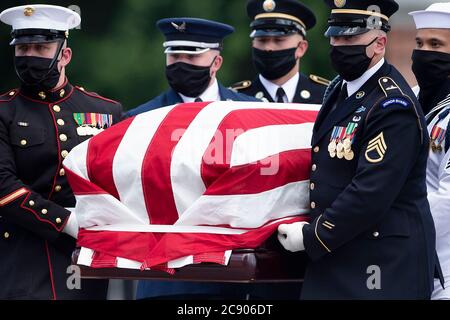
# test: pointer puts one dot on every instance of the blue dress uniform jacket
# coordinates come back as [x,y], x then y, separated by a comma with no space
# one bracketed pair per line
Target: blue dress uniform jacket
[171,97]
[309,90]
[37,131]
[372,235]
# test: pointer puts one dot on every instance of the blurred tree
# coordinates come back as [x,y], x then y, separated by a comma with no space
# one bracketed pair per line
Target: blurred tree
[118,51]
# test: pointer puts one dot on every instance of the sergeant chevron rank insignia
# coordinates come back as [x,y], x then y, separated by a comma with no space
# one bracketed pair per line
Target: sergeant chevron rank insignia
[376,150]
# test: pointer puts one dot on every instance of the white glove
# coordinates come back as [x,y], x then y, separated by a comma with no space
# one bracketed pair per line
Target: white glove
[291,236]
[72,227]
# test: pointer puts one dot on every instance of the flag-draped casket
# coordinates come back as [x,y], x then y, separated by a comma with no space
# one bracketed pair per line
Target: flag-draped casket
[190,183]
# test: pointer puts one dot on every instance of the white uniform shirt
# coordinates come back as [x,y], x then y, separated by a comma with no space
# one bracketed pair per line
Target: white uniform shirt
[290,88]
[438,182]
[211,94]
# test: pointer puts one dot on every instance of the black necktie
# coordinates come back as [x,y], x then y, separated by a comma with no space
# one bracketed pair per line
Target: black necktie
[343,94]
[198,100]
[280,95]
[341,97]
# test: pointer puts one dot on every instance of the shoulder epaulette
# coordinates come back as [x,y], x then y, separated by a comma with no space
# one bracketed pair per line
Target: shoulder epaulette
[319,80]
[241,85]
[8,96]
[396,98]
[95,95]
[390,87]
[394,94]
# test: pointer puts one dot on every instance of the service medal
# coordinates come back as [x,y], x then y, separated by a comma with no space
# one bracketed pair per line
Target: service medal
[340,148]
[347,144]
[332,147]
[349,156]
[437,138]
[81,131]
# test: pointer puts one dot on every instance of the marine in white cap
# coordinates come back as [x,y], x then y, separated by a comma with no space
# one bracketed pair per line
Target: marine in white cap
[431,65]
[40,123]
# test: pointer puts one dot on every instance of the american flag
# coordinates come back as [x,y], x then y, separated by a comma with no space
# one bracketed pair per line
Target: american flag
[188,184]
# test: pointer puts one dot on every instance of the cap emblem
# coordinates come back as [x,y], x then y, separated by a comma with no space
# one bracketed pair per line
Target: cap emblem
[269,5]
[28,11]
[181,28]
[340,3]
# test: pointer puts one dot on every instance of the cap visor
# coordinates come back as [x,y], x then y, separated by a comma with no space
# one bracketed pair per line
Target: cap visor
[271,33]
[185,51]
[32,40]
[335,31]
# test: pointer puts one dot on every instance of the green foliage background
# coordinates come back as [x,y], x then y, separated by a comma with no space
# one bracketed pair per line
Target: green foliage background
[118,51]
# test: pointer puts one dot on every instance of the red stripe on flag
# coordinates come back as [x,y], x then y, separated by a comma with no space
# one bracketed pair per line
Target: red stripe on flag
[145,248]
[217,158]
[288,167]
[103,261]
[129,245]
[81,186]
[156,169]
[100,156]
[193,244]
[216,257]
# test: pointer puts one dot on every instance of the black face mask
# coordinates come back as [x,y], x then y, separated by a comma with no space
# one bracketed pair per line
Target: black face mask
[431,68]
[350,62]
[187,79]
[273,65]
[37,72]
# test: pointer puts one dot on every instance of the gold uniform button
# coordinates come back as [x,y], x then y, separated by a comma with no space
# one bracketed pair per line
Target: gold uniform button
[12,93]
[56,108]
[58,188]
[62,173]
[60,122]
[314,168]
[313,186]
[376,234]
[23,143]
[64,153]
[31,203]
[58,220]
[63,138]
[6,235]
[44,211]
[313,205]
[316,150]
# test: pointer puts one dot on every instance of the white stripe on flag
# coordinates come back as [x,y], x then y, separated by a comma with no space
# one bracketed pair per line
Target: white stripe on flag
[101,210]
[261,143]
[249,211]
[76,161]
[127,166]
[85,258]
[128,264]
[166,229]
[180,263]
[187,183]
